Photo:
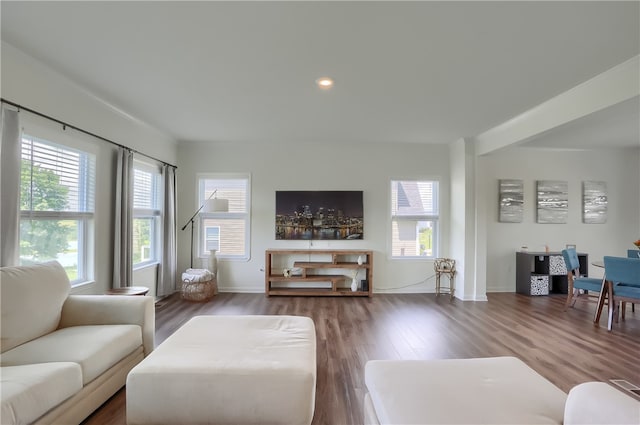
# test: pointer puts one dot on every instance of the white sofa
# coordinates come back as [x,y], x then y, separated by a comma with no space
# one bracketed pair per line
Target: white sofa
[64,355]
[498,390]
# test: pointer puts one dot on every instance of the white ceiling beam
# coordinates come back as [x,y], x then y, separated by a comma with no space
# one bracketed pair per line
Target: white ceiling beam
[607,89]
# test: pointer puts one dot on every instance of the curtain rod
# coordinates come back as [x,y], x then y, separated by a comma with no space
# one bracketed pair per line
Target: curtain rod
[64,124]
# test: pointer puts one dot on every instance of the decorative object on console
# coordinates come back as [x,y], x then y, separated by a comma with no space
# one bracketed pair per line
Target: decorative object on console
[553,201]
[594,202]
[364,285]
[210,205]
[354,285]
[323,214]
[511,201]
[354,276]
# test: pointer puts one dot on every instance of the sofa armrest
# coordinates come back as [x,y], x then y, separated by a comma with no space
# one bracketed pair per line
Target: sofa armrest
[600,403]
[79,310]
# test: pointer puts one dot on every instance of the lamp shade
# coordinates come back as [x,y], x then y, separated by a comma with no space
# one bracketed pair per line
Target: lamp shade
[216,205]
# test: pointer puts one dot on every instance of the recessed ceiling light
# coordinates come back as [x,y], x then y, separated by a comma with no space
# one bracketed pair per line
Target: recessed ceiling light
[325,83]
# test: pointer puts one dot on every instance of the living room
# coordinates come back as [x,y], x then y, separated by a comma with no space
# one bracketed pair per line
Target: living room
[538,105]
[36,85]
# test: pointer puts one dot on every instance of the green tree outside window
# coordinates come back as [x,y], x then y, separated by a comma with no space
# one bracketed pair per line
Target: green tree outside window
[40,190]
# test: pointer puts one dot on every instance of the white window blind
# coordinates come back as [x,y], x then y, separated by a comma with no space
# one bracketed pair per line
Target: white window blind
[146,189]
[228,230]
[57,203]
[56,165]
[414,218]
[147,207]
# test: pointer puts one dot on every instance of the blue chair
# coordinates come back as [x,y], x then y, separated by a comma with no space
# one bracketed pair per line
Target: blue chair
[623,275]
[632,253]
[575,281]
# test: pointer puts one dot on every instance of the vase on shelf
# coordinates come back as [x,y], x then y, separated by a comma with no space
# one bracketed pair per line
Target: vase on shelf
[360,260]
[213,263]
[354,285]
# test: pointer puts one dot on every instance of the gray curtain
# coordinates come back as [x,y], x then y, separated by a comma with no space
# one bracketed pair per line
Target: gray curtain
[123,223]
[10,187]
[168,264]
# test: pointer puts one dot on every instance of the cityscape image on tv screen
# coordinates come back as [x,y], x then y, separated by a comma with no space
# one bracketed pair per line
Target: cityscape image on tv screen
[321,214]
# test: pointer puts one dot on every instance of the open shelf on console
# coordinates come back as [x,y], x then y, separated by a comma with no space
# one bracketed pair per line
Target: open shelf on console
[335,268]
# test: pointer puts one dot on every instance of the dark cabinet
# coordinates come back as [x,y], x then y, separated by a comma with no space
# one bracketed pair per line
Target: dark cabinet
[541,273]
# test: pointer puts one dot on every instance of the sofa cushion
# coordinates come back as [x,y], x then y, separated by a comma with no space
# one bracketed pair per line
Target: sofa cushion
[499,390]
[29,391]
[94,348]
[32,299]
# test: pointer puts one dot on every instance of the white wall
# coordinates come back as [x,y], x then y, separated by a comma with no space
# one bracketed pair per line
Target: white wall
[620,169]
[35,86]
[332,166]
[316,167]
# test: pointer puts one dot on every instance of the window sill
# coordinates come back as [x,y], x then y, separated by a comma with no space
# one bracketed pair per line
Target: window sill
[143,266]
[81,286]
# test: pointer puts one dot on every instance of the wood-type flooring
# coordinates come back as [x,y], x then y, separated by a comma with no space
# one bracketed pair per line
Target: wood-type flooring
[564,347]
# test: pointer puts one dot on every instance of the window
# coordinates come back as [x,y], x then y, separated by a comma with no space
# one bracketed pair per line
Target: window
[146,214]
[57,186]
[226,232]
[212,235]
[414,219]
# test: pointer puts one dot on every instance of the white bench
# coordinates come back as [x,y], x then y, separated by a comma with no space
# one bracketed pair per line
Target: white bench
[228,369]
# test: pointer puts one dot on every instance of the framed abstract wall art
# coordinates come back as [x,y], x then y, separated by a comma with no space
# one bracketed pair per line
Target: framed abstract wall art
[553,201]
[511,201]
[594,202]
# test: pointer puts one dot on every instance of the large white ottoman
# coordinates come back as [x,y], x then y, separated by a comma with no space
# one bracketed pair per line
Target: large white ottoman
[228,370]
[499,390]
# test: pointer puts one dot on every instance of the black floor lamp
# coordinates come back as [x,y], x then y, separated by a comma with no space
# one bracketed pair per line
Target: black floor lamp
[210,205]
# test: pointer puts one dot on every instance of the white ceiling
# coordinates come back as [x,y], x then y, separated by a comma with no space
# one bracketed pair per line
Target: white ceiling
[419,72]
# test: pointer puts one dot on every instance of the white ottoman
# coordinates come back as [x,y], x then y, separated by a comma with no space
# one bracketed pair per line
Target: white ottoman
[228,370]
[498,390]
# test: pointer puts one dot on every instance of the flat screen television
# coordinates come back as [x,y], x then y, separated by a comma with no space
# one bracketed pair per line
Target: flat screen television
[319,214]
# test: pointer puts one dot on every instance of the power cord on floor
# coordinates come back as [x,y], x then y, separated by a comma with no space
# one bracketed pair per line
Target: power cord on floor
[425,280]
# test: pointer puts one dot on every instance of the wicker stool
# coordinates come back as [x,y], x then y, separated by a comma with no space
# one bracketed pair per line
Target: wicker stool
[447,267]
[199,291]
